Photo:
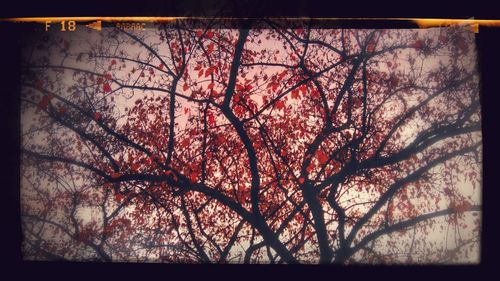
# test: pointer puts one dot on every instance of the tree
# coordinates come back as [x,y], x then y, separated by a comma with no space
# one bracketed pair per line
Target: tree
[269,143]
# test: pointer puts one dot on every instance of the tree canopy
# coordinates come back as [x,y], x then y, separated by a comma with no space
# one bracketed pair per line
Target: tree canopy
[263,144]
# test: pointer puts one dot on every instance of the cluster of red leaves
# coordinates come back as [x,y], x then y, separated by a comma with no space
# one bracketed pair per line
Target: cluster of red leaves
[45,101]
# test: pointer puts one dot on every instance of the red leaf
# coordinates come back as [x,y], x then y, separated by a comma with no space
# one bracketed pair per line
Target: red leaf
[301,180]
[200,73]
[240,87]
[239,110]
[283,153]
[113,62]
[463,207]
[193,177]
[210,48]
[275,86]
[106,88]
[371,47]
[115,175]
[209,35]
[185,143]
[280,104]
[108,76]
[419,44]
[161,66]
[309,168]
[209,71]
[322,157]
[135,167]
[211,119]
[43,103]
[97,116]
[185,87]
[199,33]
[303,89]
[264,100]
[119,197]
[220,139]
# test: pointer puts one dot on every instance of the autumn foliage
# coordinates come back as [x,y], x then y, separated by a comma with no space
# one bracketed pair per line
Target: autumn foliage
[263,144]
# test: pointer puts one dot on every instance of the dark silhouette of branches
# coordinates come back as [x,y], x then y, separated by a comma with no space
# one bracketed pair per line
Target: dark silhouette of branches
[280,145]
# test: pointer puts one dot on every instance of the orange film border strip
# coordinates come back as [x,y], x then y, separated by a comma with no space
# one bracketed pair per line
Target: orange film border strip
[420,22]
[104,19]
